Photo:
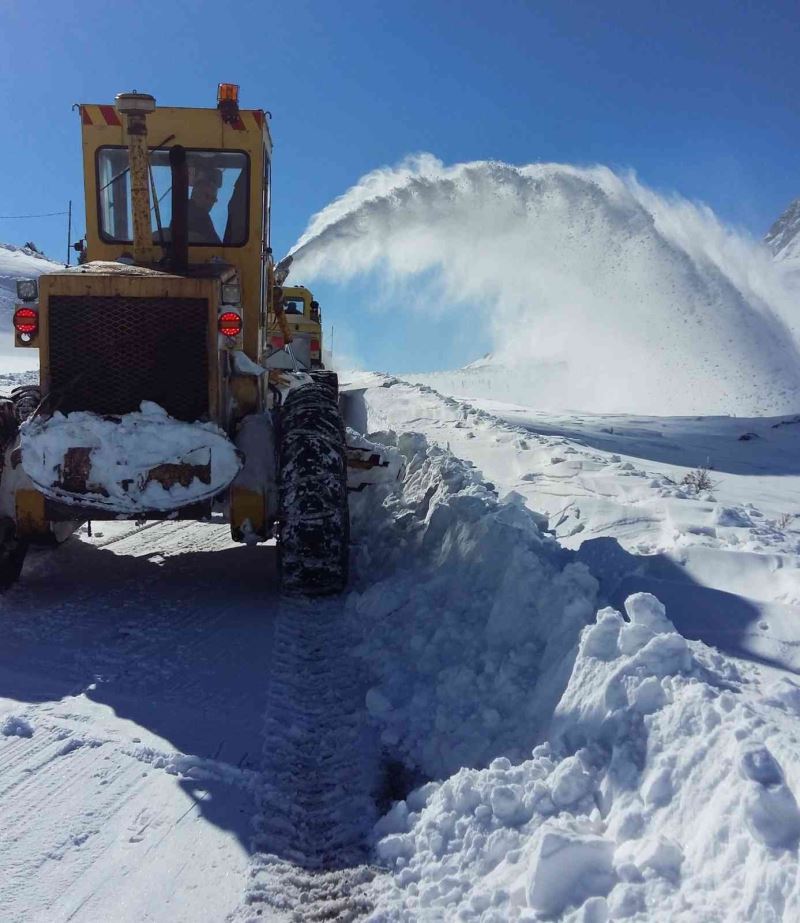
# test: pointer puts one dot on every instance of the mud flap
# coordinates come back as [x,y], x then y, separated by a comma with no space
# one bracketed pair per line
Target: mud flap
[254,493]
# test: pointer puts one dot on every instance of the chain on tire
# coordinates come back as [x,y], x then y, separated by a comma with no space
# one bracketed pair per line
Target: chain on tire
[314,523]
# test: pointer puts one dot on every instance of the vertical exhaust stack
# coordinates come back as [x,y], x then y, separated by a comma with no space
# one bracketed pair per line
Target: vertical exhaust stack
[135,108]
[180,208]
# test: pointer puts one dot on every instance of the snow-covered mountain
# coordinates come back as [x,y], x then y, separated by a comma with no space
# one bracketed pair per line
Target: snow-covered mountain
[17,263]
[20,263]
[783,238]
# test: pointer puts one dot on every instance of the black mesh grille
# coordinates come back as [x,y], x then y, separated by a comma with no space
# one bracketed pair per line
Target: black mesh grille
[108,354]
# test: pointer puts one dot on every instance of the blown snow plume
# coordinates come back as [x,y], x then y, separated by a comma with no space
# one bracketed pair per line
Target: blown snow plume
[600,294]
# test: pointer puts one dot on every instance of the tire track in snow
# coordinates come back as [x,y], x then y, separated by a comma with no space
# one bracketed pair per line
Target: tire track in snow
[320,769]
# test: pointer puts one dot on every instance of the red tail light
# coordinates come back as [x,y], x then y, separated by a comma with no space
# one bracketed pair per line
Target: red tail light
[26,320]
[230,324]
[315,346]
[276,342]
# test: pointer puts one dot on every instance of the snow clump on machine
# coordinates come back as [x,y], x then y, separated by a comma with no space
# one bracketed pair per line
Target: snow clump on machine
[124,455]
[665,791]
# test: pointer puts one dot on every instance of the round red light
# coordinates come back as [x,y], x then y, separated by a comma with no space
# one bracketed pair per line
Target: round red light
[26,320]
[230,324]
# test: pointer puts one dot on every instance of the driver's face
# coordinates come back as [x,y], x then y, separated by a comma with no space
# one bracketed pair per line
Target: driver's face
[205,194]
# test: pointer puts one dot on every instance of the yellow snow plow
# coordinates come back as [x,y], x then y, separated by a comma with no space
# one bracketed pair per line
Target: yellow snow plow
[163,393]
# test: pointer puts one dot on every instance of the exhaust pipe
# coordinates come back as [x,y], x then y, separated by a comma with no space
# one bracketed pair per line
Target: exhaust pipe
[180,208]
[135,107]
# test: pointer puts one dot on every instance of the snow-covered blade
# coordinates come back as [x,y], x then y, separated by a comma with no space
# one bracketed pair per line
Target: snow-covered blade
[131,464]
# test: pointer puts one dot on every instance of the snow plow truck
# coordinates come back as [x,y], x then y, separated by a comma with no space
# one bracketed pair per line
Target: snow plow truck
[178,377]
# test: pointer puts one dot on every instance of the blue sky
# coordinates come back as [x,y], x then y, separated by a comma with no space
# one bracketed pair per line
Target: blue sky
[696,97]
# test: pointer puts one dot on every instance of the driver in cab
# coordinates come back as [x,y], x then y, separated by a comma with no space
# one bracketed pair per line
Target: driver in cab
[202,199]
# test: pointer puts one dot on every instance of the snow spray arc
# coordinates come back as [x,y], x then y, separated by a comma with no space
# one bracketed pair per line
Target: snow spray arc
[605,294]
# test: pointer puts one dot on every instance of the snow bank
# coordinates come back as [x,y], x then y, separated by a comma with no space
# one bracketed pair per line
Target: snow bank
[473,614]
[665,792]
[600,294]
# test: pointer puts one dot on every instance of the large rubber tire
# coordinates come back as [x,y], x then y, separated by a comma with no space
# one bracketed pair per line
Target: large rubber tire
[327,380]
[12,554]
[314,520]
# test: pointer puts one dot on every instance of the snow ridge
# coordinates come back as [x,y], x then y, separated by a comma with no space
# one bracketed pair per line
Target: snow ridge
[474,613]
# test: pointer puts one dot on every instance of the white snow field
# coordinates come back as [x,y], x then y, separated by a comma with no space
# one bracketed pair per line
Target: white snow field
[178,743]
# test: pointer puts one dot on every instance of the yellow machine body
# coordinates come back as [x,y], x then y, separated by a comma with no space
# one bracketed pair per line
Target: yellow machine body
[303,321]
[108,282]
[202,130]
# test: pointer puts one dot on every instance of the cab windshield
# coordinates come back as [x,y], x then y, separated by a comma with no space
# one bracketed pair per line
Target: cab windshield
[218,196]
[293,306]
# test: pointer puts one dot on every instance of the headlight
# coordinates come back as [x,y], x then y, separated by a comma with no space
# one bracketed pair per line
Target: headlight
[27,289]
[231,293]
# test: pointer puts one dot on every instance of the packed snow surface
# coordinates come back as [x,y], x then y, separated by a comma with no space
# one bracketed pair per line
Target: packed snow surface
[600,294]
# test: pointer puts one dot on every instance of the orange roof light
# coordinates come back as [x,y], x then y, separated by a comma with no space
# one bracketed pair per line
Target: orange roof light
[228,93]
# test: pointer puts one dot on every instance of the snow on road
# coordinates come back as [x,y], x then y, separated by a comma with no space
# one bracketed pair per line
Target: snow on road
[459,737]
[139,666]
[170,648]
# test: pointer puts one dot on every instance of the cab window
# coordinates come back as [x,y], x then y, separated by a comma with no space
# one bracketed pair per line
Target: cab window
[294,306]
[218,196]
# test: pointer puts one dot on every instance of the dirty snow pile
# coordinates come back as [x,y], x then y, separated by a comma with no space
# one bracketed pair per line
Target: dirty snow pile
[129,458]
[601,294]
[473,615]
[664,792]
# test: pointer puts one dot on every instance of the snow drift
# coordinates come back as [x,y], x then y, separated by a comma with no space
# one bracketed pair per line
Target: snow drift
[600,293]
[474,614]
[664,793]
